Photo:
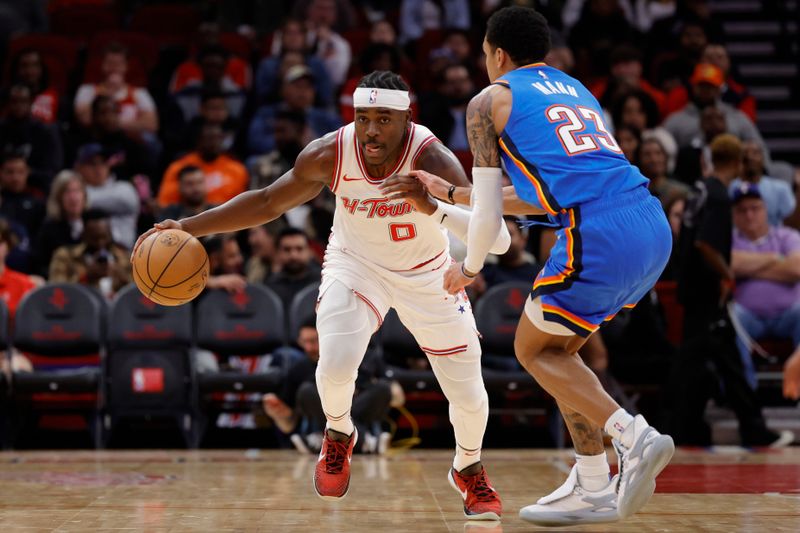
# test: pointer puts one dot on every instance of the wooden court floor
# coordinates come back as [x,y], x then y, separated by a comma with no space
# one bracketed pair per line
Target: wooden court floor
[172,491]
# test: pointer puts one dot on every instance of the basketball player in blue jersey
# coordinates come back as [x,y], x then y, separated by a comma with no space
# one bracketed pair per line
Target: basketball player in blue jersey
[547,132]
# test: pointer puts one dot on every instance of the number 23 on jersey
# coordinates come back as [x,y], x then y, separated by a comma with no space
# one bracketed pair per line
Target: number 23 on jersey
[573,121]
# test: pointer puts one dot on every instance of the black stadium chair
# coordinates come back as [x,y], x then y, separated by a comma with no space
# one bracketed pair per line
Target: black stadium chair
[304,305]
[247,323]
[397,344]
[59,326]
[497,315]
[148,365]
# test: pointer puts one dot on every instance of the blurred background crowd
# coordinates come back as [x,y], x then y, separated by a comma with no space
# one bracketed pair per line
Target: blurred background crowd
[116,114]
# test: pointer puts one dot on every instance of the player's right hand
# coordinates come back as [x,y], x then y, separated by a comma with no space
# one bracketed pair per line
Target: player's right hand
[158,226]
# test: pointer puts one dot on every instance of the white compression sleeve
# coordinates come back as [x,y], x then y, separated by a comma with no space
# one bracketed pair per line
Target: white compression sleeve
[456,220]
[487,215]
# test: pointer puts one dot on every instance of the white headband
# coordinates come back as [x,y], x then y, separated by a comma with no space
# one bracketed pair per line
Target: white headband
[388,98]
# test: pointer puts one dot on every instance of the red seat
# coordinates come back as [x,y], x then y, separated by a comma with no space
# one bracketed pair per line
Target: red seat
[673,310]
[173,23]
[82,22]
[62,49]
[358,39]
[236,44]
[466,160]
[139,45]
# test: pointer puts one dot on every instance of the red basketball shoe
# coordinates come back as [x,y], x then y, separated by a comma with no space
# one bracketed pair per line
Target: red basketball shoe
[332,474]
[481,501]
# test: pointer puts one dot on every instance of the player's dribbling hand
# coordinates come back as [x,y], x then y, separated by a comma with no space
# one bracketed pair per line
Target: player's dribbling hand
[455,280]
[158,226]
[791,378]
[435,185]
[409,188]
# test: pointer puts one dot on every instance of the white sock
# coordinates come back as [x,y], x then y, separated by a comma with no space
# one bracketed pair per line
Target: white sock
[593,471]
[465,458]
[616,424]
[345,425]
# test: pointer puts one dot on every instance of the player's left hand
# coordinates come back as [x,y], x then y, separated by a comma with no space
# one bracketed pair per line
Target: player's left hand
[455,280]
[409,188]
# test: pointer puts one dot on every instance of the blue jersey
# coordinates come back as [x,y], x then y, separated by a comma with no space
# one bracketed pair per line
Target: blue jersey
[556,147]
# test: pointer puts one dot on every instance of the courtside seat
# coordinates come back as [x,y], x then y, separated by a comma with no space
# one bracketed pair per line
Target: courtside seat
[497,315]
[303,306]
[59,328]
[148,366]
[248,323]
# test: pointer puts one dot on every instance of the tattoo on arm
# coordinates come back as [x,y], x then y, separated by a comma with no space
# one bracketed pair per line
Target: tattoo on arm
[480,130]
[587,438]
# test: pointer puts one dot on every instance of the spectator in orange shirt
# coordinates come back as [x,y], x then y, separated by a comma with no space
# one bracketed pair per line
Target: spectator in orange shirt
[13,286]
[225,176]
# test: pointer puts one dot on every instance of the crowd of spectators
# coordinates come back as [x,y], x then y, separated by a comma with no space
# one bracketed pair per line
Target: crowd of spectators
[92,156]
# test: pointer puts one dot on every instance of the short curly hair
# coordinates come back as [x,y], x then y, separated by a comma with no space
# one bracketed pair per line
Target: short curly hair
[521,32]
[383,79]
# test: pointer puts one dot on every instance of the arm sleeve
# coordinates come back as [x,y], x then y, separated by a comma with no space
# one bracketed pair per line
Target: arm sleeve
[487,215]
[456,220]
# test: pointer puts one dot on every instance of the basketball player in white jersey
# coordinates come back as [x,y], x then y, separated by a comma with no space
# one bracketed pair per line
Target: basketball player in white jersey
[381,254]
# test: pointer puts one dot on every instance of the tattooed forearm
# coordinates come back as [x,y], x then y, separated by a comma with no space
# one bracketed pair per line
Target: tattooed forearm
[480,130]
[586,437]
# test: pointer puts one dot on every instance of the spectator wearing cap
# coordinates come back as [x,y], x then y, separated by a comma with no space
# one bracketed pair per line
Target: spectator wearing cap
[97,261]
[225,176]
[64,223]
[733,92]
[626,76]
[118,199]
[766,263]
[17,201]
[684,125]
[777,195]
[193,196]
[138,113]
[298,95]
[38,142]
[289,48]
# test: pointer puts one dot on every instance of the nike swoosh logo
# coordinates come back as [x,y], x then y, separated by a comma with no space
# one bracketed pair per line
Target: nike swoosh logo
[345,178]
[463,493]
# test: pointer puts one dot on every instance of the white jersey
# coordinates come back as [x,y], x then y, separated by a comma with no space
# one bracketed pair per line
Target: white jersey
[388,234]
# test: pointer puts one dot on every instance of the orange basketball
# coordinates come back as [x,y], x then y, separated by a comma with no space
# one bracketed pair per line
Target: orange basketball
[170,267]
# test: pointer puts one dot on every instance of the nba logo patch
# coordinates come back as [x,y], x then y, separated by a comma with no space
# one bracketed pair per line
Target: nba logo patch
[373,96]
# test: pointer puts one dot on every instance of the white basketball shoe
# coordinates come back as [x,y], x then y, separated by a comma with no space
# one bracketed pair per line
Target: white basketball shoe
[639,465]
[572,505]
